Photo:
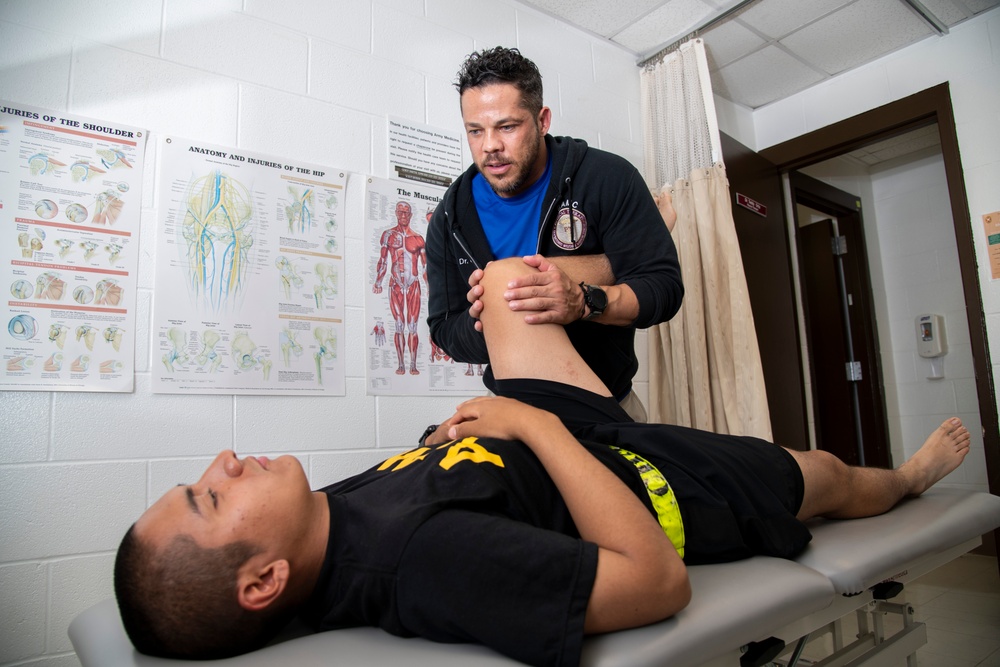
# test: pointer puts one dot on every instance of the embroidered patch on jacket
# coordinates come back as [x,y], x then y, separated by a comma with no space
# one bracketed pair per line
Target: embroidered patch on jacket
[570,230]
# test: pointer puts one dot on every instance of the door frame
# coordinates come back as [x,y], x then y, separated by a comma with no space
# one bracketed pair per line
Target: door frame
[918,110]
[869,407]
[767,263]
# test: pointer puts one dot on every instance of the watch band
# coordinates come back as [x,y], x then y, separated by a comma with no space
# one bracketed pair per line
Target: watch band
[427,433]
[594,298]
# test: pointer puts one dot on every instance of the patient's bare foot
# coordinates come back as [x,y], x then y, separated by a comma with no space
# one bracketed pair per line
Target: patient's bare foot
[943,451]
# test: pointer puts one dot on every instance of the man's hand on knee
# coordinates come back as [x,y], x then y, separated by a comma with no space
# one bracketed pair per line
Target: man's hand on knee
[549,295]
[474,297]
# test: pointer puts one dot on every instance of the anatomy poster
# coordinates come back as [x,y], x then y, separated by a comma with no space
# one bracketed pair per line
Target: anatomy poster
[70,196]
[249,273]
[402,358]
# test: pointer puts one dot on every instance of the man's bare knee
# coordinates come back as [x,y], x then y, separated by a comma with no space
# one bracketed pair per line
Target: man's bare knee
[499,273]
[825,481]
[507,268]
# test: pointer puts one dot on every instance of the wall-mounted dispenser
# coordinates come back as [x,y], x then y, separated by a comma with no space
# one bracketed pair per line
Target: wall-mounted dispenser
[932,343]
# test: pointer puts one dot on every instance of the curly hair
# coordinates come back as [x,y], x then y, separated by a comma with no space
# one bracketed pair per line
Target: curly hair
[503,65]
[182,602]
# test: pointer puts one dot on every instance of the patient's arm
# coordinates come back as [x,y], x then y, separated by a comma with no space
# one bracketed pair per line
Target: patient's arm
[640,577]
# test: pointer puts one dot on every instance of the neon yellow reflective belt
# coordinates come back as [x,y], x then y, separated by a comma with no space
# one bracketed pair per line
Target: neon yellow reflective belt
[668,513]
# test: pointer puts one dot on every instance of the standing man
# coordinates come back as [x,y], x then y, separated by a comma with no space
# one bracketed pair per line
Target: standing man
[403,249]
[582,216]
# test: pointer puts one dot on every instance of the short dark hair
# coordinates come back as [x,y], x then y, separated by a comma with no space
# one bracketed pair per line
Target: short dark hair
[182,602]
[503,65]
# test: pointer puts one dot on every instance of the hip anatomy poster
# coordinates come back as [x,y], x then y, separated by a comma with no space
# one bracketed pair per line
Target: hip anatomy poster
[402,359]
[249,268]
[70,196]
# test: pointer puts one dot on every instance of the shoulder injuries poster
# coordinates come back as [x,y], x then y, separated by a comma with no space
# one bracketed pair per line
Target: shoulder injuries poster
[70,197]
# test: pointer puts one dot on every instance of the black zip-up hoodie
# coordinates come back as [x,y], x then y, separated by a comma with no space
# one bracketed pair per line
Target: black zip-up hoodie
[615,215]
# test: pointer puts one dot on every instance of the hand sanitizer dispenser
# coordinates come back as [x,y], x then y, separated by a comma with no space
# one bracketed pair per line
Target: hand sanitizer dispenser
[931,343]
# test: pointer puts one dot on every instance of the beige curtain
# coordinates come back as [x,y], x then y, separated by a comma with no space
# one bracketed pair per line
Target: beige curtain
[705,368]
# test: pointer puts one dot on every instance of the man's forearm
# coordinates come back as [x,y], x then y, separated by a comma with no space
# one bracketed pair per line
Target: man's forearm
[591,269]
[623,306]
[456,335]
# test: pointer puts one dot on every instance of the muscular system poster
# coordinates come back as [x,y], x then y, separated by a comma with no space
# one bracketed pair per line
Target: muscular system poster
[70,196]
[402,359]
[249,270]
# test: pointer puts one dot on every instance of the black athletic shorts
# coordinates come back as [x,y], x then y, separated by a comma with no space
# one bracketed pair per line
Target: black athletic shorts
[738,495]
[577,408]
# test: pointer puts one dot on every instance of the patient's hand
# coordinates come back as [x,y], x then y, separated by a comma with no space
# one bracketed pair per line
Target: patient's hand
[498,417]
[439,436]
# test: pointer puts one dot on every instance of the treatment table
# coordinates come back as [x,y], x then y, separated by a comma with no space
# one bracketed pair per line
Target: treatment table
[746,613]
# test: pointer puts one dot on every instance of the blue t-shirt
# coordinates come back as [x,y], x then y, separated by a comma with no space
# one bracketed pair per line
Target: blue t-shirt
[511,223]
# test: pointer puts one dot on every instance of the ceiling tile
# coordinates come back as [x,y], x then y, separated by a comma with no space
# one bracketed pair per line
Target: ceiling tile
[777,18]
[904,144]
[903,148]
[856,34]
[947,11]
[977,6]
[729,41]
[672,21]
[598,16]
[814,38]
[918,139]
[767,75]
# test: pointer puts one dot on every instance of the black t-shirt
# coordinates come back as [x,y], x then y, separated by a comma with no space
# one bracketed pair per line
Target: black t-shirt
[467,542]
[471,542]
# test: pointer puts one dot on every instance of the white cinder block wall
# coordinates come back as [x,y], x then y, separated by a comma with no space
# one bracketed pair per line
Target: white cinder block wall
[918,260]
[311,80]
[906,202]
[314,80]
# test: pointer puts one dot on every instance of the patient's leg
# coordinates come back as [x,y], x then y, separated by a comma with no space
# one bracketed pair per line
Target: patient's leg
[836,490]
[521,350]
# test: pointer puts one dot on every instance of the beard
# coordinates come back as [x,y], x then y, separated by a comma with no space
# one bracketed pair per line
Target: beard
[511,182]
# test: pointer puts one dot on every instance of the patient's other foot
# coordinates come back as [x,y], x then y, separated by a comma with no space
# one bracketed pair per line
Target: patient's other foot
[942,452]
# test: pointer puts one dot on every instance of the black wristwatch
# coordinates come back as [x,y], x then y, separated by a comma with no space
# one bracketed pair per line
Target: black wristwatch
[427,433]
[595,298]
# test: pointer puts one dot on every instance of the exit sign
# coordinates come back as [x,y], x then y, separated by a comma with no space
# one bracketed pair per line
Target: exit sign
[752,205]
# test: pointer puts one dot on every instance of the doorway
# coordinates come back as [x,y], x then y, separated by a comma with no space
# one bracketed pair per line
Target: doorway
[844,357]
[929,107]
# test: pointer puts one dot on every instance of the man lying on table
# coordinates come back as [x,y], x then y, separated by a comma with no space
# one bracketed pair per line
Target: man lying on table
[516,527]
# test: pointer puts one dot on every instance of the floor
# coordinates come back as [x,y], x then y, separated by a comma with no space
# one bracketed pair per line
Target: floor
[960,604]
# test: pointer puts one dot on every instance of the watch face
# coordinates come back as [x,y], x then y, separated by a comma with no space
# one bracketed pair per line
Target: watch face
[597,299]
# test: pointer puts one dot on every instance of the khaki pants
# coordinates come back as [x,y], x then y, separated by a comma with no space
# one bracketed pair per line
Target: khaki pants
[633,406]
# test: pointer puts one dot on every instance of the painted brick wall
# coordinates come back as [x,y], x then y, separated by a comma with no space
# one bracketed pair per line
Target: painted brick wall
[306,79]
